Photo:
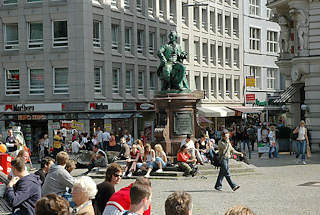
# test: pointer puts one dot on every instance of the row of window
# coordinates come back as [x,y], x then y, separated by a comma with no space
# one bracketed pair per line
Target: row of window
[255,71]
[11,2]
[255,40]
[35,35]
[219,86]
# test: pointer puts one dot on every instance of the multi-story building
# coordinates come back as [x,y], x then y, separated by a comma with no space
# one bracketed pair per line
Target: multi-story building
[261,49]
[89,64]
[299,61]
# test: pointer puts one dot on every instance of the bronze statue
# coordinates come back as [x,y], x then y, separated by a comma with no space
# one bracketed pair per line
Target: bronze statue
[171,71]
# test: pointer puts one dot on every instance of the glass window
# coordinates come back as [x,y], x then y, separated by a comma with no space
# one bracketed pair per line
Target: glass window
[60,81]
[152,41]
[153,81]
[235,27]
[196,51]
[228,86]
[11,36]
[163,38]
[115,36]
[36,81]
[127,4]
[212,21]
[98,80]
[197,82]
[236,86]
[220,90]
[128,40]
[271,78]
[184,14]
[196,16]
[96,33]
[256,73]
[32,1]
[227,25]
[219,23]
[12,82]
[172,10]
[254,39]
[272,41]
[139,6]
[114,4]
[213,85]
[236,57]
[151,8]
[205,53]
[140,41]
[220,55]
[228,56]
[129,80]
[141,77]
[35,35]
[205,86]
[161,9]
[7,2]
[115,80]
[254,7]
[60,33]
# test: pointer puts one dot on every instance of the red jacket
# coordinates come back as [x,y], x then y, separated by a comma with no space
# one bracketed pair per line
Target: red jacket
[183,157]
[122,198]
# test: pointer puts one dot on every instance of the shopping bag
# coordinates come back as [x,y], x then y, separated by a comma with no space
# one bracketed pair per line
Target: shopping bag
[308,152]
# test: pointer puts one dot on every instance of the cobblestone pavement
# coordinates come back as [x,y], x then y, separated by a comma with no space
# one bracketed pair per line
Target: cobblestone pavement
[275,188]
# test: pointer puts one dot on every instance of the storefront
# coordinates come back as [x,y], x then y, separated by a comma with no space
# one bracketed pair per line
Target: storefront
[146,120]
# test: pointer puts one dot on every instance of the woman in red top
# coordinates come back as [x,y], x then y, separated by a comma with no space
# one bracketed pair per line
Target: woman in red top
[186,162]
[135,157]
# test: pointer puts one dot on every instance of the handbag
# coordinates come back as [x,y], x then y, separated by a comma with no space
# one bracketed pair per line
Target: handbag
[308,151]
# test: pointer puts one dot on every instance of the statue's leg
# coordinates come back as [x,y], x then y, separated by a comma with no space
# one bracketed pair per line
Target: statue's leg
[179,75]
[165,77]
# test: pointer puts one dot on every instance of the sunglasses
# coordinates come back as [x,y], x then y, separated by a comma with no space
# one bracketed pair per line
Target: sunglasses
[116,175]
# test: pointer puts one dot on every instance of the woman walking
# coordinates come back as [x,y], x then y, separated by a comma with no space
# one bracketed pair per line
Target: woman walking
[302,140]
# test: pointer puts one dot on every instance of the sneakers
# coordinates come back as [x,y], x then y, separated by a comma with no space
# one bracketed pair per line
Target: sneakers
[147,176]
[236,187]
[218,188]
[304,162]
[159,170]
[130,174]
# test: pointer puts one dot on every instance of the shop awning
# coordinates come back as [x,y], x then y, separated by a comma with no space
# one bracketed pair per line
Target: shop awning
[215,111]
[204,120]
[288,93]
[244,109]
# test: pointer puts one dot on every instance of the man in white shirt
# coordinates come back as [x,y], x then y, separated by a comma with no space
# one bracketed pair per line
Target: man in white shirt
[99,137]
[192,149]
[76,146]
[106,138]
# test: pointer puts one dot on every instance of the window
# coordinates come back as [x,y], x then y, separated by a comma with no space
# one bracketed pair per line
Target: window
[205,86]
[126,4]
[196,51]
[12,82]
[129,80]
[115,36]
[204,19]
[213,54]
[197,82]
[60,34]
[36,81]
[184,14]
[228,56]
[254,39]
[227,25]
[60,81]
[8,2]
[33,1]
[163,38]
[235,27]
[196,16]
[128,40]
[220,56]
[219,23]
[272,41]
[172,10]
[96,33]
[213,85]
[141,75]
[256,73]
[152,42]
[220,89]
[271,78]
[115,80]
[235,3]
[205,53]
[35,35]
[98,80]
[162,9]
[11,37]
[212,22]
[139,6]
[228,86]
[153,81]
[114,4]
[151,8]
[236,57]
[254,7]
[140,41]
[236,81]
[185,46]
[269,14]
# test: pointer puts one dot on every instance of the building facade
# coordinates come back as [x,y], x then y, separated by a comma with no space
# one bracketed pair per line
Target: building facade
[261,51]
[299,61]
[87,64]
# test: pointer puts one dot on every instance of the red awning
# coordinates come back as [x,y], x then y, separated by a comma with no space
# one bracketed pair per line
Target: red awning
[244,109]
[204,120]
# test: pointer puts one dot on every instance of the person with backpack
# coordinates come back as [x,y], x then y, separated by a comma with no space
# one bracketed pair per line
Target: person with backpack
[225,152]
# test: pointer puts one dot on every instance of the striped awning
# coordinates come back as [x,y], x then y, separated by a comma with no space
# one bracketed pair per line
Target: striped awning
[288,93]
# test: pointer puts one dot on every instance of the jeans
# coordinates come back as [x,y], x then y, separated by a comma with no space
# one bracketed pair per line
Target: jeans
[224,172]
[301,149]
[243,147]
[275,152]
[159,160]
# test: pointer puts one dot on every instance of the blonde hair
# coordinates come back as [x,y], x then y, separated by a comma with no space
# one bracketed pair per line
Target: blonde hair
[158,148]
[139,142]
[303,122]
[239,210]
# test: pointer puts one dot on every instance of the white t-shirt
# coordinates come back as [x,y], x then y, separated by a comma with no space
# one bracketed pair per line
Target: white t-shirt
[75,146]
[190,144]
[99,136]
[106,136]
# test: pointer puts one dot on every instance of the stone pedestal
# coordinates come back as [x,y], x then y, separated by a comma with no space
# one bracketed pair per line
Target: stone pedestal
[175,118]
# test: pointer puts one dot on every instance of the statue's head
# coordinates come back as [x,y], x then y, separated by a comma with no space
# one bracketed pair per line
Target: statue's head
[173,36]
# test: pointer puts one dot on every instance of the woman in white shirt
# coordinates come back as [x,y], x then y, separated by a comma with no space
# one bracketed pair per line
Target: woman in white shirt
[302,140]
[272,140]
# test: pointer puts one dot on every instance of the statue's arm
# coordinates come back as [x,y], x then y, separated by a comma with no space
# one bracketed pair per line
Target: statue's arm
[161,55]
[182,54]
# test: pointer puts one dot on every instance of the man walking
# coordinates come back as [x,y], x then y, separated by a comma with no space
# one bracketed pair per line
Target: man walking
[106,139]
[23,190]
[225,150]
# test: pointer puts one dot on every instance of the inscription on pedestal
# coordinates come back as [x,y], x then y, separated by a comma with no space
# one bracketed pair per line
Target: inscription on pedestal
[183,123]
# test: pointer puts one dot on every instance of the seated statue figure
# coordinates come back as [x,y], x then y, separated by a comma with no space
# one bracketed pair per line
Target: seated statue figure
[171,71]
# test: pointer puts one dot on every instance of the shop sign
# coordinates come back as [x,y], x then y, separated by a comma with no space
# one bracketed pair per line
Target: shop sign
[73,106]
[32,117]
[105,106]
[77,125]
[31,107]
[108,127]
[250,98]
[55,126]
[145,106]
[260,103]
[250,81]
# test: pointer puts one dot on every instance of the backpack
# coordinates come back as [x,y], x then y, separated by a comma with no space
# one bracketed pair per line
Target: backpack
[215,160]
